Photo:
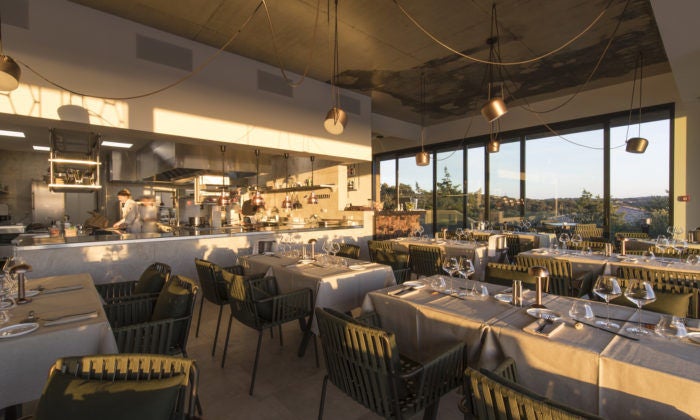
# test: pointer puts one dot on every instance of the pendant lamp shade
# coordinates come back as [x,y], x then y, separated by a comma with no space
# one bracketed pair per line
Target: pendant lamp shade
[423,158]
[312,199]
[287,202]
[9,73]
[493,146]
[336,120]
[258,199]
[637,145]
[494,109]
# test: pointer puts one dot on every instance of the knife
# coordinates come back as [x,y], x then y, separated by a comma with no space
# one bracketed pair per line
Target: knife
[62,289]
[606,330]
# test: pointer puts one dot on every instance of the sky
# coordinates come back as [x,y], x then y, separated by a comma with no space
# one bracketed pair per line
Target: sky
[558,168]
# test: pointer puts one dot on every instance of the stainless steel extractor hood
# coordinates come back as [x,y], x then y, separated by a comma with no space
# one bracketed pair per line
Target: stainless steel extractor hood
[172,162]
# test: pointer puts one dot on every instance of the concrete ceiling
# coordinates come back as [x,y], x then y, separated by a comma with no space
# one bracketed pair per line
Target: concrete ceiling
[382,53]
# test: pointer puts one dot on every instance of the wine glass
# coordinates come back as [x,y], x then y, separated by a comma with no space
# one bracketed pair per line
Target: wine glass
[419,231]
[450,266]
[669,230]
[607,287]
[459,232]
[639,292]
[678,231]
[576,240]
[662,244]
[564,238]
[336,248]
[465,267]
[682,247]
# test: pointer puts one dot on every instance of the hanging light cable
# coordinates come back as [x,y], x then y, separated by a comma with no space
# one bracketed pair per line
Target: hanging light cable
[336,118]
[495,108]
[312,199]
[257,199]
[637,144]
[9,69]
[422,157]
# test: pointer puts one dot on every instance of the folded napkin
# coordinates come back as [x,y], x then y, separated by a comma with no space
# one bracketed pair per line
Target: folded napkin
[544,328]
[70,318]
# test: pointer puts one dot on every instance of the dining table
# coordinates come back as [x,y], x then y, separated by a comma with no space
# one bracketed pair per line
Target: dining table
[68,320]
[451,248]
[336,282]
[612,373]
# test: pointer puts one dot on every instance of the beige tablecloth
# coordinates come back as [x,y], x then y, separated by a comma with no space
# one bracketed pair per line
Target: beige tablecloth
[334,287]
[588,368]
[25,360]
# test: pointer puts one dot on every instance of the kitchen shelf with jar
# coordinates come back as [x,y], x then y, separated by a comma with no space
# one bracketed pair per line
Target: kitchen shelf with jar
[301,188]
[74,162]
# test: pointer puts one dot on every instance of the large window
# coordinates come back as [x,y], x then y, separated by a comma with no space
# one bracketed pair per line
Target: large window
[387,183]
[639,182]
[448,189]
[504,184]
[564,180]
[565,176]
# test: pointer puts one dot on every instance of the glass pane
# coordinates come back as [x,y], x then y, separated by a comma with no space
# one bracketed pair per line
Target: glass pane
[564,181]
[504,184]
[476,184]
[639,182]
[387,182]
[450,197]
[416,189]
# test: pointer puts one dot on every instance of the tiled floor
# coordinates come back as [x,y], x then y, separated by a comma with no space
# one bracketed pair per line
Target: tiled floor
[287,387]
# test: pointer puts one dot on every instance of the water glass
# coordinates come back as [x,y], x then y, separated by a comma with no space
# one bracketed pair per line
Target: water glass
[581,310]
[671,327]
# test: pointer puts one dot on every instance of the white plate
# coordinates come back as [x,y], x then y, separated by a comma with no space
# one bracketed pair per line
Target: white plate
[540,251]
[414,283]
[539,312]
[268,253]
[357,267]
[18,329]
[694,337]
[503,297]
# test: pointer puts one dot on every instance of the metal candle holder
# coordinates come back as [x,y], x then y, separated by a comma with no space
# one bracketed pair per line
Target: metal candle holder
[19,270]
[539,273]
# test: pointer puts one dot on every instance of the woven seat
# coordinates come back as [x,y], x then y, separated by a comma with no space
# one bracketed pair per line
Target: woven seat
[256,303]
[151,281]
[155,325]
[132,386]
[364,363]
[425,260]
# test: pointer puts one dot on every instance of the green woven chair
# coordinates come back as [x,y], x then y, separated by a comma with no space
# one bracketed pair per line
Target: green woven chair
[123,386]
[374,246]
[155,325]
[398,261]
[151,281]
[513,243]
[425,260]
[214,290]
[349,251]
[256,303]
[496,395]
[677,293]
[364,362]
[504,274]
[561,279]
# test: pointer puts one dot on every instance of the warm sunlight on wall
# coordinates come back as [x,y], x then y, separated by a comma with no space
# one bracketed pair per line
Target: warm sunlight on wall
[200,127]
[45,102]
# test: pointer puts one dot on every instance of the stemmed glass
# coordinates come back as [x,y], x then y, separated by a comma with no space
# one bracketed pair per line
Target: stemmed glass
[465,267]
[419,231]
[450,266]
[459,232]
[639,292]
[607,287]
[336,248]
[564,238]
[576,241]
[678,231]
[662,244]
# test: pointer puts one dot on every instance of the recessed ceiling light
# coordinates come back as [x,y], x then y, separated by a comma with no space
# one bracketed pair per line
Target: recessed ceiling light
[9,133]
[41,148]
[117,144]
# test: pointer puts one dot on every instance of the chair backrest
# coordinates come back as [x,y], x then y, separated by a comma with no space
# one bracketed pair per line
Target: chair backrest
[214,288]
[349,251]
[361,361]
[245,294]
[425,260]
[513,243]
[560,273]
[495,397]
[265,246]
[667,282]
[132,386]
[374,245]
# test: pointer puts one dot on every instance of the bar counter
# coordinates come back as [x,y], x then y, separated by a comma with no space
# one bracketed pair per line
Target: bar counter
[109,258]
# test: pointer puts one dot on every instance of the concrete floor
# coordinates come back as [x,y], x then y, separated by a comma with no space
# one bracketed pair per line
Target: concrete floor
[287,387]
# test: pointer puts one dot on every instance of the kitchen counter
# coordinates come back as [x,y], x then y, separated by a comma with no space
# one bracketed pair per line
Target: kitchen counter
[44,241]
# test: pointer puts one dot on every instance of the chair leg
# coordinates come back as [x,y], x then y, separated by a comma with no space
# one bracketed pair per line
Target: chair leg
[323,397]
[199,319]
[316,350]
[430,412]
[255,364]
[228,334]
[216,334]
[280,331]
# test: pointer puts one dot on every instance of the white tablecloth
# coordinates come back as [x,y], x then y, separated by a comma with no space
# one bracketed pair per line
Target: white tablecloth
[334,287]
[590,369]
[25,360]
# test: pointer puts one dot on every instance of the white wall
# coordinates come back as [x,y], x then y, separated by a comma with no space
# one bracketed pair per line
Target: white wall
[95,54]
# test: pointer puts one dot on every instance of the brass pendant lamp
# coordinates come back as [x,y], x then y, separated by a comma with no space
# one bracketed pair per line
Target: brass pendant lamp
[422,157]
[9,69]
[257,198]
[495,108]
[637,144]
[336,119]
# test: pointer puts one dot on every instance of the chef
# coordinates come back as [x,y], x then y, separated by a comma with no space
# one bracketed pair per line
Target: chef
[131,221]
